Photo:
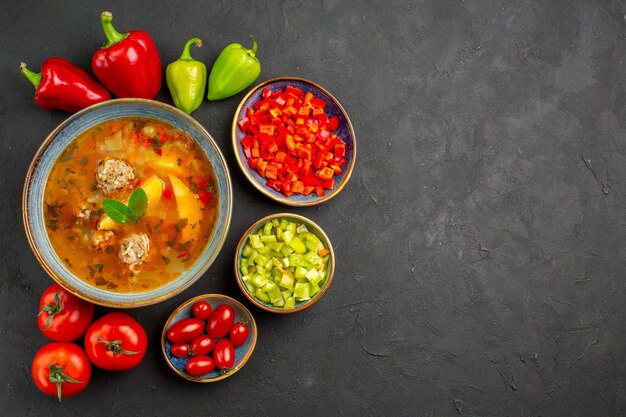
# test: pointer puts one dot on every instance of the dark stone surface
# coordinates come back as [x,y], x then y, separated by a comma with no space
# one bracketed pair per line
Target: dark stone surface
[481,239]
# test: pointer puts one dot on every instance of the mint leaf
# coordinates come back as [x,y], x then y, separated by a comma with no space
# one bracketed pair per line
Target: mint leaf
[138,203]
[118,211]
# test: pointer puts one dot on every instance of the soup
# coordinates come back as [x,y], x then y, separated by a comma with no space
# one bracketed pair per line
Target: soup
[99,172]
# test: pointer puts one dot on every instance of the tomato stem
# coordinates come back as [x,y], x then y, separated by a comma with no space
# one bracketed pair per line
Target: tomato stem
[58,377]
[52,309]
[116,347]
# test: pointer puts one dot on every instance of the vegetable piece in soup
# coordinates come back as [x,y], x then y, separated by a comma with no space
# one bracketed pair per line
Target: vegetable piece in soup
[119,238]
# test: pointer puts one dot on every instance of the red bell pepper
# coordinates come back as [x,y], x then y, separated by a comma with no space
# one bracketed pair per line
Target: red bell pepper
[129,64]
[62,85]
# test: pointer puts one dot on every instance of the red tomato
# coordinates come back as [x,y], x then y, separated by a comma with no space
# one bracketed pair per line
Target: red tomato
[63,316]
[180,350]
[185,330]
[199,365]
[202,310]
[224,354]
[202,345]
[239,334]
[220,321]
[61,369]
[116,342]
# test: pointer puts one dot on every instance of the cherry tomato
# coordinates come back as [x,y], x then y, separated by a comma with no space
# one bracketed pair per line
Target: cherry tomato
[224,354]
[239,334]
[202,345]
[199,365]
[61,369]
[202,310]
[116,342]
[180,350]
[220,321]
[185,330]
[63,316]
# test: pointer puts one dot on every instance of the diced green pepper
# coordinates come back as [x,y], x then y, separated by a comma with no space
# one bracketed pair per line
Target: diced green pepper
[312,243]
[262,296]
[273,292]
[291,227]
[267,228]
[259,280]
[300,272]
[269,238]
[247,250]
[314,289]
[302,228]
[264,250]
[255,241]
[313,276]
[252,256]
[287,280]
[290,302]
[261,260]
[287,236]
[296,244]
[313,258]
[268,286]
[302,291]
[286,250]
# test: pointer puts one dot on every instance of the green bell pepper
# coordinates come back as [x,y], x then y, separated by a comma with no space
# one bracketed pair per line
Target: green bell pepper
[234,69]
[186,79]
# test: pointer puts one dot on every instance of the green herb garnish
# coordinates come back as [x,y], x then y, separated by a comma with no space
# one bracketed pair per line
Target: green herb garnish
[125,214]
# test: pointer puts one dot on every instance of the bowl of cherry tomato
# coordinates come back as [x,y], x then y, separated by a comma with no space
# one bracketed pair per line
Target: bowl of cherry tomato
[294,141]
[208,338]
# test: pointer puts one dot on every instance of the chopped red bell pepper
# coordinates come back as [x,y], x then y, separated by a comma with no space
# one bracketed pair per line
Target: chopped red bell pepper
[289,141]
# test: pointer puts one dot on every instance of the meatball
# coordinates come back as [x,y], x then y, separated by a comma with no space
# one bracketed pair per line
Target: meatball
[134,249]
[113,175]
[102,239]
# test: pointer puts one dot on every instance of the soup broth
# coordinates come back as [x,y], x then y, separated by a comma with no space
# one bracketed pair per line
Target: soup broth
[109,161]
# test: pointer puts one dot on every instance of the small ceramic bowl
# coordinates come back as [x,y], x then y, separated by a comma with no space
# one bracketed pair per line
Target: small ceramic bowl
[313,228]
[242,353]
[52,148]
[333,108]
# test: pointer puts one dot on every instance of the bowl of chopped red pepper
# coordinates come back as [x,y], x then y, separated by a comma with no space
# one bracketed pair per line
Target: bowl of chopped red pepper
[294,141]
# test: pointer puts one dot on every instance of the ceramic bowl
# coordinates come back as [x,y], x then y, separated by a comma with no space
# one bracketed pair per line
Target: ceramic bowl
[312,227]
[333,108]
[51,149]
[242,353]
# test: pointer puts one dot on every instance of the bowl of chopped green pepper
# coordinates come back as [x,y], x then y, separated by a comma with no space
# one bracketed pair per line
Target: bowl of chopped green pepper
[284,263]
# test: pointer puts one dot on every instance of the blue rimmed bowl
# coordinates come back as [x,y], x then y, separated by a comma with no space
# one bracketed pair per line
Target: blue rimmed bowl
[242,353]
[54,145]
[345,131]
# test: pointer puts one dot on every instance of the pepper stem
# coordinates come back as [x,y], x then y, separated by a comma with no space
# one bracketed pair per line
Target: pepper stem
[186,56]
[33,77]
[254,46]
[113,36]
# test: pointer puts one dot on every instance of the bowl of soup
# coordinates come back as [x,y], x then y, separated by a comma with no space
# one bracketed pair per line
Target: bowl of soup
[127,203]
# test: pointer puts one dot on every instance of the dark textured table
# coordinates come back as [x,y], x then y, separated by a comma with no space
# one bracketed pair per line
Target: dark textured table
[481,241]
